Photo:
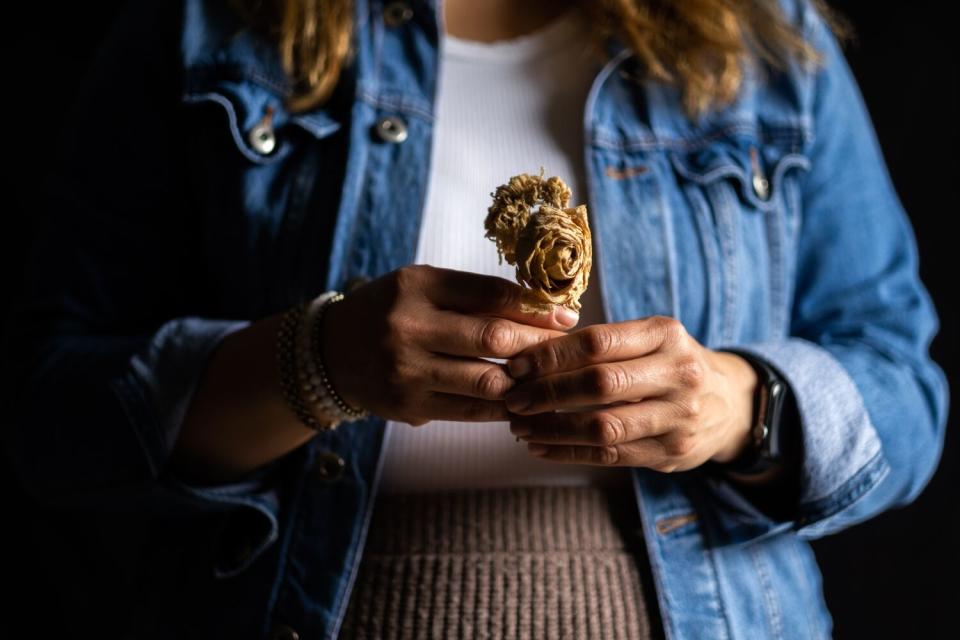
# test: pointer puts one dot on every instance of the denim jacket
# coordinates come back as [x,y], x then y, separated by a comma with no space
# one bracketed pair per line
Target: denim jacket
[171,220]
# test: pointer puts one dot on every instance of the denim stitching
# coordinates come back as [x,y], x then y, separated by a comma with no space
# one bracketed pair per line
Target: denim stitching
[667,605]
[741,174]
[671,256]
[791,134]
[865,479]
[707,230]
[788,161]
[769,596]
[723,171]
[718,592]
[801,567]
[347,588]
[598,81]
[237,135]
[395,103]
[591,188]
[724,209]
[794,212]
[773,224]
[376,31]
[197,74]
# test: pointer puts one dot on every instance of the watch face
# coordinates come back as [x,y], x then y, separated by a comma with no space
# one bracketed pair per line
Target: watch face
[776,390]
[760,428]
[775,405]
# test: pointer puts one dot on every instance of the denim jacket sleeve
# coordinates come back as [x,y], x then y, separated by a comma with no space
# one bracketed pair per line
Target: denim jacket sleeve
[108,347]
[872,403]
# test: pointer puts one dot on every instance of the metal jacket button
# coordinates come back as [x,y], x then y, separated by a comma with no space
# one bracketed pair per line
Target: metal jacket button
[760,184]
[391,129]
[261,136]
[329,466]
[761,187]
[396,13]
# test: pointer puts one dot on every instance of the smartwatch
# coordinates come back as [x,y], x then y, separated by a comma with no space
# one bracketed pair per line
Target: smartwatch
[769,429]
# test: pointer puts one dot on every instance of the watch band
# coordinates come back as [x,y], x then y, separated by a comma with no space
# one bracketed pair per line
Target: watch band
[766,448]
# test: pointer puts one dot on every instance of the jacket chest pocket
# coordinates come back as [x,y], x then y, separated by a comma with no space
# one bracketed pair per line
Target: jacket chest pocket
[744,194]
[254,168]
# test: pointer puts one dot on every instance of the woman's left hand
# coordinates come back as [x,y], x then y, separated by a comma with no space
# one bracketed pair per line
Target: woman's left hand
[635,393]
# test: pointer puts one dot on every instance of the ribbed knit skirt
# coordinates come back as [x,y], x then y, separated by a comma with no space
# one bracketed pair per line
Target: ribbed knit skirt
[521,562]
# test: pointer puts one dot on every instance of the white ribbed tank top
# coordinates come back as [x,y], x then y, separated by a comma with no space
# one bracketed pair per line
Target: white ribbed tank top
[502,109]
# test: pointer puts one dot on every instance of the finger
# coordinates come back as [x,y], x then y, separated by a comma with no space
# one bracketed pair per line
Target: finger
[446,406]
[631,381]
[594,344]
[601,427]
[648,452]
[466,377]
[480,294]
[457,334]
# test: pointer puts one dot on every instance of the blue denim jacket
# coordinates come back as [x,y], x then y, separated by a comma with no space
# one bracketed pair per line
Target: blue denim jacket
[770,225]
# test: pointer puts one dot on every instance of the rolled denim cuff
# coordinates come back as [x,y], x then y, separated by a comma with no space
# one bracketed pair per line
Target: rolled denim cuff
[156,391]
[158,385]
[842,453]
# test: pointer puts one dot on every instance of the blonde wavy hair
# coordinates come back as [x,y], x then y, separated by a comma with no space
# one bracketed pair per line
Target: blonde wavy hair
[701,46]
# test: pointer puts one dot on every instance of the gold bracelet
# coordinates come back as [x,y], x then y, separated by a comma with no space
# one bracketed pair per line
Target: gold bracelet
[287,367]
[342,408]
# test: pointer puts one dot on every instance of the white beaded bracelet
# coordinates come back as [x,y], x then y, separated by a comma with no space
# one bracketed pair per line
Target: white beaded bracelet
[315,385]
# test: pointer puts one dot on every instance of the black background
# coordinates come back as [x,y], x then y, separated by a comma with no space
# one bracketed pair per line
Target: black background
[891,577]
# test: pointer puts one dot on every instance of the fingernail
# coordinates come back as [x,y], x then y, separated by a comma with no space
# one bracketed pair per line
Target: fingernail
[537,449]
[518,401]
[567,316]
[519,366]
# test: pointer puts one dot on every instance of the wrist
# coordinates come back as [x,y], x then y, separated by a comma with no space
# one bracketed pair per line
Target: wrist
[774,430]
[742,390]
[328,350]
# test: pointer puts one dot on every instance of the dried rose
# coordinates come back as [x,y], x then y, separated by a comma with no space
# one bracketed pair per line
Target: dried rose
[554,255]
[551,247]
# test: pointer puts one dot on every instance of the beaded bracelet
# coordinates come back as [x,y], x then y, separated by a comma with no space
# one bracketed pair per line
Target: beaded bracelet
[313,379]
[340,407]
[287,364]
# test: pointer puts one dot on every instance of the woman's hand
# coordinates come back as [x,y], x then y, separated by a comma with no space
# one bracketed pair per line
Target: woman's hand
[408,346]
[654,397]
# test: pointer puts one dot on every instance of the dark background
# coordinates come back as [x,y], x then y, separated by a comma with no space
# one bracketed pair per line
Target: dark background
[891,577]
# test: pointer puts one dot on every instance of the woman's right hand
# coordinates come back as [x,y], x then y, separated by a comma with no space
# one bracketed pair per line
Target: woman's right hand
[407,346]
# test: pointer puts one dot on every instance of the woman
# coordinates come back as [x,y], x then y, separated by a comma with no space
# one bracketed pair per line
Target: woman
[229,163]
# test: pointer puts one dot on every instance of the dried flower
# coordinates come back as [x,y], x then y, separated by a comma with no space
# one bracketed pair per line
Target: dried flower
[551,247]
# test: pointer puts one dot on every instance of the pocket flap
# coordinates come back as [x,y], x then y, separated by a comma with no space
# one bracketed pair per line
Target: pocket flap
[247,104]
[755,167]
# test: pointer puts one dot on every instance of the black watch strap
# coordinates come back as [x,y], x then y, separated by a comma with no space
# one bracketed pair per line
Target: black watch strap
[766,447]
